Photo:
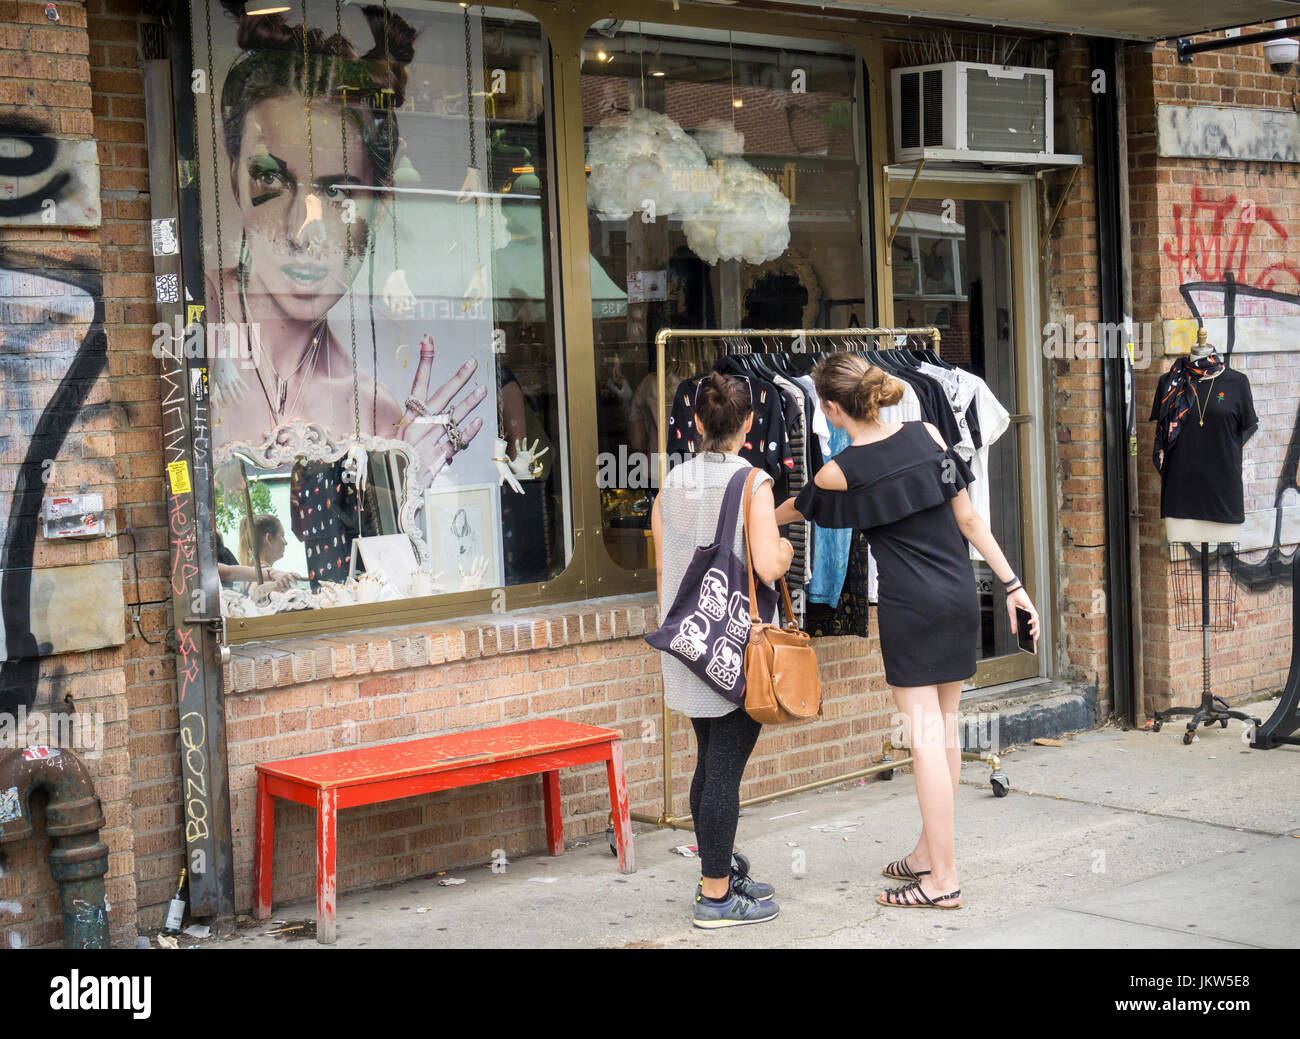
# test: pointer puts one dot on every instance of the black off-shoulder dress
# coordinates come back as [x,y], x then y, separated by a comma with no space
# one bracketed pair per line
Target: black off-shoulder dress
[899,491]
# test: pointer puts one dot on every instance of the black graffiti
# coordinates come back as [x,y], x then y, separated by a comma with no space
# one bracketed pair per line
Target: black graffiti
[43,149]
[19,674]
[1275,568]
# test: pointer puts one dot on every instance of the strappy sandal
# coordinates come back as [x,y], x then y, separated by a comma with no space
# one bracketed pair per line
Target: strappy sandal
[901,898]
[900,870]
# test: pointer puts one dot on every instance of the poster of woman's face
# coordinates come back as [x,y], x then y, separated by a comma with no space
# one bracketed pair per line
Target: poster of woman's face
[339,237]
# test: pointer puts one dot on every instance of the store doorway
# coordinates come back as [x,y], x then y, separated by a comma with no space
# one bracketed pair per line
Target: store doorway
[956,261]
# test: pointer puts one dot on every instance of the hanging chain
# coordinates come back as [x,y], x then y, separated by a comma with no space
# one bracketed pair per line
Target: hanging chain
[469,92]
[347,230]
[306,76]
[216,179]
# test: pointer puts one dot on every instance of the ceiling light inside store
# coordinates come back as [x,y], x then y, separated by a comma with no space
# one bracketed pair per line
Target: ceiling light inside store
[274,9]
[657,72]
[737,103]
[602,56]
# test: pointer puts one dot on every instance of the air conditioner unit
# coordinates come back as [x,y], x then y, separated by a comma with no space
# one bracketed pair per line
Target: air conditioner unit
[959,107]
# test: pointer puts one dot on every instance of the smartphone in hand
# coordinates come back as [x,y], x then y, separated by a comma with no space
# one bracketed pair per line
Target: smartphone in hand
[1024,637]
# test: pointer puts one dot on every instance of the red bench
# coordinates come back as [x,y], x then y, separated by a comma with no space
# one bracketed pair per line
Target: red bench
[348,778]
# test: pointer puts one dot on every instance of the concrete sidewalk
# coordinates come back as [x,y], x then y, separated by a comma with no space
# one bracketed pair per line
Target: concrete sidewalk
[1116,839]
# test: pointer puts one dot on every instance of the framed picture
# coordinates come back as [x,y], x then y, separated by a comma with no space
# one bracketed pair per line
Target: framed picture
[464,525]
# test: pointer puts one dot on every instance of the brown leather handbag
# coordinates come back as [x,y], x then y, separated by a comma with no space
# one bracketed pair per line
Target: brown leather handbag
[781,680]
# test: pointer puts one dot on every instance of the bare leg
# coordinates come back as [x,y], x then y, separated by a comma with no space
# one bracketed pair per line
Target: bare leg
[949,704]
[934,784]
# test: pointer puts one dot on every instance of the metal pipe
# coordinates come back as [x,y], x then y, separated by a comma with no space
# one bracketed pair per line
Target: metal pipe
[74,817]
[1187,50]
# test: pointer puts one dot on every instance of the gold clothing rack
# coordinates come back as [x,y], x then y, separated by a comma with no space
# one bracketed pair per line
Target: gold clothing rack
[887,765]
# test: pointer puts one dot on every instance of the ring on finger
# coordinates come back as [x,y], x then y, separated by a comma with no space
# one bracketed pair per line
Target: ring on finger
[455,437]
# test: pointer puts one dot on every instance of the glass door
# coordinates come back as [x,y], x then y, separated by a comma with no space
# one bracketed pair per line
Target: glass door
[954,264]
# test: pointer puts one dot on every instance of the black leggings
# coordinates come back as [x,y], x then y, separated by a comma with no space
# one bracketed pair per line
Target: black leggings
[724,747]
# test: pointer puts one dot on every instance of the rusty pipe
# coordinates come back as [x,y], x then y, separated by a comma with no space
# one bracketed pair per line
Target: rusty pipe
[73,819]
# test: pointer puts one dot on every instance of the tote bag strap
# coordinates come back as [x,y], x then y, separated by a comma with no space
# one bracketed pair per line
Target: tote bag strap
[729,512]
[749,563]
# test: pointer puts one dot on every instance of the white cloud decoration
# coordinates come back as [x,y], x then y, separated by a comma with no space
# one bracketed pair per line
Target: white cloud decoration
[729,210]
[750,222]
[647,157]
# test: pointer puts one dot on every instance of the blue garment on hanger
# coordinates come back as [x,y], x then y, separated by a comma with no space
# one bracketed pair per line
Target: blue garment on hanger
[830,547]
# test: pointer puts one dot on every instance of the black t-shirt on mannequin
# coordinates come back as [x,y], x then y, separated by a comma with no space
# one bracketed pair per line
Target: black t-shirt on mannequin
[1201,478]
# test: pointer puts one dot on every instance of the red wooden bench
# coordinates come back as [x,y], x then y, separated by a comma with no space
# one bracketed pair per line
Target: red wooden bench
[348,778]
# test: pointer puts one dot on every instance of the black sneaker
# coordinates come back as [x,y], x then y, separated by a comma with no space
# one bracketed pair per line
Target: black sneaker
[743,883]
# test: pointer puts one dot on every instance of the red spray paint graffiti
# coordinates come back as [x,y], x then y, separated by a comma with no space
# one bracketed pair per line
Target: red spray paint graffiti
[1214,239]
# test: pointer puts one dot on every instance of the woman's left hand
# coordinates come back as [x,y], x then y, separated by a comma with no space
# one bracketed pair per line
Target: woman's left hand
[1021,599]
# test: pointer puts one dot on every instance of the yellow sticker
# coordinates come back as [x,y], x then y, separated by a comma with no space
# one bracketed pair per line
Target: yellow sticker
[179,475]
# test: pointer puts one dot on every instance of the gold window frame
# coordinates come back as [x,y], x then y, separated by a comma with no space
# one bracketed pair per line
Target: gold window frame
[592,572]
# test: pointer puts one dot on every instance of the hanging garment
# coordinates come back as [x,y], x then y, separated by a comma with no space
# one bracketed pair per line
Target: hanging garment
[994,420]
[797,533]
[831,547]
[323,514]
[959,387]
[1201,478]
[768,446]
[1175,398]
[852,614]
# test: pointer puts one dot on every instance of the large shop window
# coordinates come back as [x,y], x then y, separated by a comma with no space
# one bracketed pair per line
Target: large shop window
[724,190]
[389,421]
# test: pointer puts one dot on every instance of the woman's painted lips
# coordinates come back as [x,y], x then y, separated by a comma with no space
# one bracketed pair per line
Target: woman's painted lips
[305,275]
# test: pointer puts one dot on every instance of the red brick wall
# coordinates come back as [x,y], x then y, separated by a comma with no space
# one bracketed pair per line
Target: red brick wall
[1189,226]
[1073,388]
[46,74]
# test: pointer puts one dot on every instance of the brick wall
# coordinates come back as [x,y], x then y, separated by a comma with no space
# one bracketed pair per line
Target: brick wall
[1073,389]
[585,664]
[52,293]
[1191,225]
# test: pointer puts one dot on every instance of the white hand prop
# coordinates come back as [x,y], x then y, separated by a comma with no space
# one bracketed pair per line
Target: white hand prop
[397,294]
[505,473]
[526,464]
[473,578]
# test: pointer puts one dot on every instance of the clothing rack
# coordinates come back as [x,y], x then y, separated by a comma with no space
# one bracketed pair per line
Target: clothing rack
[884,768]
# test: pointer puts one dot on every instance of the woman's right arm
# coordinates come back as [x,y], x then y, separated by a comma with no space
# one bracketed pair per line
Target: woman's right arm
[770,552]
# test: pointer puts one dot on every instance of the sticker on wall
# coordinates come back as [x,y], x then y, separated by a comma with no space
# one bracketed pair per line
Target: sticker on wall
[169,288]
[178,474]
[165,242]
[199,383]
[40,753]
[10,807]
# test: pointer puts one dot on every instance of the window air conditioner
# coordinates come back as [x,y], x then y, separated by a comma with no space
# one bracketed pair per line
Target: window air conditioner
[965,107]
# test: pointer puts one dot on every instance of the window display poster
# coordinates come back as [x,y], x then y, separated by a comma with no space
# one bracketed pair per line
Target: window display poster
[349,233]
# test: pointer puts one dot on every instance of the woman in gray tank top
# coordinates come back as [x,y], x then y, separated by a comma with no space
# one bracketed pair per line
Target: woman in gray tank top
[685,518]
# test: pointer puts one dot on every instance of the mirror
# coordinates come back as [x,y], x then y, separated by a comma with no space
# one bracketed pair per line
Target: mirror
[334,523]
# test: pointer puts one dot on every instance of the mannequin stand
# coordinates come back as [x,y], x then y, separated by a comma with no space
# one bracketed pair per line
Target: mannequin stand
[1280,728]
[1212,708]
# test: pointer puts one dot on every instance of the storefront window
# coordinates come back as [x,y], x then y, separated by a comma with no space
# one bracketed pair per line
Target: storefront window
[724,190]
[385,383]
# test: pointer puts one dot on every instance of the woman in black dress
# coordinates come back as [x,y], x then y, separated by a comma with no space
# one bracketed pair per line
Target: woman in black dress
[905,488]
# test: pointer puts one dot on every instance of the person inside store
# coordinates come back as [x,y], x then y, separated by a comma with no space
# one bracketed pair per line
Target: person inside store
[906,489]
[262,540]
[685,518]
[309,194]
